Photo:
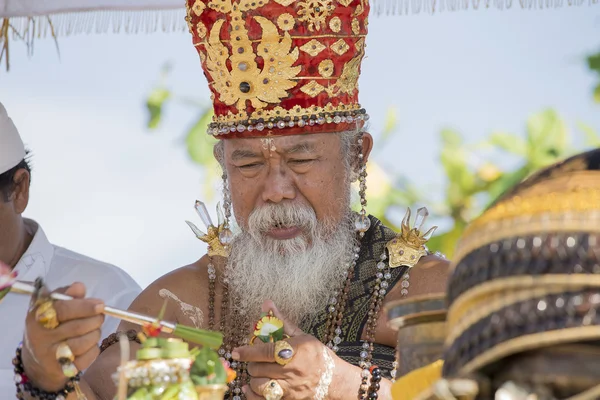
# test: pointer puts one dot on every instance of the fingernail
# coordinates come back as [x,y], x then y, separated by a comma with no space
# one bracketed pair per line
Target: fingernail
[244,389]
[235,355]
[98,308]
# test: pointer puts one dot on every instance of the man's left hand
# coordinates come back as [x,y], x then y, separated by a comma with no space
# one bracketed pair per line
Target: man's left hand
[302,377]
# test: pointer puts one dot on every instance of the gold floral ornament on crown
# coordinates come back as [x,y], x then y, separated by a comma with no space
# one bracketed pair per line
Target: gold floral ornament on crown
[246,81]
[407,248]
[280,67]
[218,237]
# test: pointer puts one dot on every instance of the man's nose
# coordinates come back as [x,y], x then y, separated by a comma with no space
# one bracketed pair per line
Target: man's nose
[278,187]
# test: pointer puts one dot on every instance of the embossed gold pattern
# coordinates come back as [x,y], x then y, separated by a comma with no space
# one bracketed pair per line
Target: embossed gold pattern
[282,112]
[360,9]
[198,7]
[348,80]
[313,47]
[259,86]
[340,47]
[314,12]
[223,6]
[188,19]
[355,26]
[326,68]
[577,210]
[285,22]
[253,62]
[312,88]
[201,30]
[574,201]
[335,24]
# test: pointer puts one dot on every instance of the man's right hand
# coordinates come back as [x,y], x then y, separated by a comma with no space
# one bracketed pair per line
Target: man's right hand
[79,326]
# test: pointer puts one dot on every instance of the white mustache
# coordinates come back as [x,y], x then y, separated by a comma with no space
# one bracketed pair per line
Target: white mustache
[282,215]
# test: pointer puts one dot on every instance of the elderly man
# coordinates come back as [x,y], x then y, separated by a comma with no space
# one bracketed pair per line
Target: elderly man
[284,82]
[26,249]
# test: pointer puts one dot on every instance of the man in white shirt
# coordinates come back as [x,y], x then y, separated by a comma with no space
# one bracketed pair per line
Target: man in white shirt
[25,247]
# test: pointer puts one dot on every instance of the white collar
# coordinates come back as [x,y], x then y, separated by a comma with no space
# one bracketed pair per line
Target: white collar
[36,260]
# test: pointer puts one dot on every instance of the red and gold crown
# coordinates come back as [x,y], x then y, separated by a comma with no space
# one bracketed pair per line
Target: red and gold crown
[281,67]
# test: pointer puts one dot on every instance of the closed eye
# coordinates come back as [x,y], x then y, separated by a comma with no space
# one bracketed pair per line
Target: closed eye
[249,166]
[303,161]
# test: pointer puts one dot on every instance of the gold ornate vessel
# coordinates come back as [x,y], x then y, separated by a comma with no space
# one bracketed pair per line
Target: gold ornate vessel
[168,369]
[211,392]
[421,325]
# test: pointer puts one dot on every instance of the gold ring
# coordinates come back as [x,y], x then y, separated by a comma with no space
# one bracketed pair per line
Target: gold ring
[64,355]
[284,352]
[45,314]
[272,391]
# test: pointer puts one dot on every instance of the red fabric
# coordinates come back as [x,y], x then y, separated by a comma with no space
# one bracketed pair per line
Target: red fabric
[301,34]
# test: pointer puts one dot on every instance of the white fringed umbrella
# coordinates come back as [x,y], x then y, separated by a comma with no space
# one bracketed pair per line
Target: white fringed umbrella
[66,17]
[28,19]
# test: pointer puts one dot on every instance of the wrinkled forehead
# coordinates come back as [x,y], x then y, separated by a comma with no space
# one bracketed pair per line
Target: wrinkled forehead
[319,144]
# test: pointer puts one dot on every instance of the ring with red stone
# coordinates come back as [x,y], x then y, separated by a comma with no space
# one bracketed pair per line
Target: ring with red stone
[284,352]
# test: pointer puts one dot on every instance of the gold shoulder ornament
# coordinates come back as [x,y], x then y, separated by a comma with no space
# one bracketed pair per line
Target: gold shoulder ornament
[217,237]
[407,248]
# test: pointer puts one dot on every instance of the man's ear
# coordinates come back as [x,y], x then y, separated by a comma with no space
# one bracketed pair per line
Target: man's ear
[20,195]
[367,146]
[219,153]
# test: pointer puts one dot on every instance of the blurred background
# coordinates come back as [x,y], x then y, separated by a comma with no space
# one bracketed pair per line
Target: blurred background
[462,106]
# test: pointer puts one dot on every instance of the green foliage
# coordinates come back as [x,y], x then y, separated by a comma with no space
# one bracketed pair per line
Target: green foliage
[154,105]
[198,143]
[474,181]
[594,65]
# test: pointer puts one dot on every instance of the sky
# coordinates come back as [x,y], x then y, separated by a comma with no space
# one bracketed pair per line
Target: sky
[105,186]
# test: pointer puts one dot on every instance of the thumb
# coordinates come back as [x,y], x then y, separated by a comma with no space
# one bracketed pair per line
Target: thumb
[289,328]
[76,290]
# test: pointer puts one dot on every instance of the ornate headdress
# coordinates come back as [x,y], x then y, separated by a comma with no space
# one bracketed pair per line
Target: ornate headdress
[526,283]
[281,67]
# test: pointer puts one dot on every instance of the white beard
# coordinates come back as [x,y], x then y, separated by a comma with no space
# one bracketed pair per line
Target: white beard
[299,275]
